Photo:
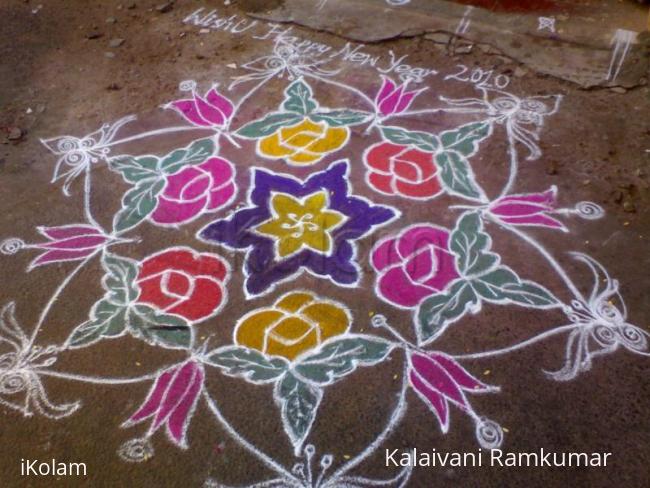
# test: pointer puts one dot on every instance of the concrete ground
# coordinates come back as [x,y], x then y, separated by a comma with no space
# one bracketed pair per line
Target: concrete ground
[567,107]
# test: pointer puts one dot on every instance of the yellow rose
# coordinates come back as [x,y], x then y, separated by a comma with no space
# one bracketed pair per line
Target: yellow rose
[304,143]
[298,322]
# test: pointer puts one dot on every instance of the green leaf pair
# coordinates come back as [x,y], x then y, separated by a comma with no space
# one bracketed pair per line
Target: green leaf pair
[483,278]
[148,174]
[452,149]
[117,313]
[298,105]
[299,385]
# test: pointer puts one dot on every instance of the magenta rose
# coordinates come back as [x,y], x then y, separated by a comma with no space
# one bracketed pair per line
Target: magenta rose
[414,265]
[195,190]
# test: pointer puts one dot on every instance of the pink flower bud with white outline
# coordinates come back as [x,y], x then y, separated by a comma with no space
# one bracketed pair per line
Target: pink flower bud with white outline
[172,401]
[211,110]
[439,380]
[65,243]
[530,209]
[393,99]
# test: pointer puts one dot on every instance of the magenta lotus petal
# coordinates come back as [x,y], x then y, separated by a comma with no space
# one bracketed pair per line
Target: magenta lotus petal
[439,379]
[528,209]
[172,400]
[393,99]
[213,110]
[68,243]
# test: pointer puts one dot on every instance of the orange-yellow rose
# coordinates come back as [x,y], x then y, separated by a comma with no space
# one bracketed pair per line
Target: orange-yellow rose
[304,143]
[296,323]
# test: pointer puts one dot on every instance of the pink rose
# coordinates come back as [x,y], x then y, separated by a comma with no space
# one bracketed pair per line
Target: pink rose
[195,190]
[414,265]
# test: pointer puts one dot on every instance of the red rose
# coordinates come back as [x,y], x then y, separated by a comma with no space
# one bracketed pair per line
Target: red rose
[184,282]
[402,170]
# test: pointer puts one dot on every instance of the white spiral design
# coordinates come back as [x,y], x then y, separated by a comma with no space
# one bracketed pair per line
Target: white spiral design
[275,63]
[187,85]
[67,144]
[633,338]
[489,434]
[136,450]
[11,245]
[589,210]
[378,321]
[326,461]
[13,382]
[606,336]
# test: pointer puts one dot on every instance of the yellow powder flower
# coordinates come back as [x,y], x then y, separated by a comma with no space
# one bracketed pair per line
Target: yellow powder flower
[304,143]
[301,223]
[298,322]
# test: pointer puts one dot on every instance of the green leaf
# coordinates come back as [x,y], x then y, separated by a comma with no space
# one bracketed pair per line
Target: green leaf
[298,404]
[134,169]
[340,357]
[106,320]
[196,153]
[298,99]
[247,363]
[422,140]
[268,125]
[137,204]
[340,118]
[457,176]
[471,246]
[504,286]
[465,139]
[158,328]
[437,312]
[119,279]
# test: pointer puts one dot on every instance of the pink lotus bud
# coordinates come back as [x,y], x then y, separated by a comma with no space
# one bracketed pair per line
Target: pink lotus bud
[212,110]
[172,400]
[528,209]
[393,99]
[68,243]
[438,379]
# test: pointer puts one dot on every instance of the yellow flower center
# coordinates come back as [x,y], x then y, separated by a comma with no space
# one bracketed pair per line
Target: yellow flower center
[301,223]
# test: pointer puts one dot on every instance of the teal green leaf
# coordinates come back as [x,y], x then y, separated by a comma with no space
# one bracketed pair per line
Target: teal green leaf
[158,328]
[503,285]
[106,320]
[457,176]
[196,153]
[137,204]
[422,140]
[437,312]
[471,246]
[268,125]
[247,363]
[340,357]
[465,139]
[298,99]
[119,278]
[340,118]
[135,169]
[298,402]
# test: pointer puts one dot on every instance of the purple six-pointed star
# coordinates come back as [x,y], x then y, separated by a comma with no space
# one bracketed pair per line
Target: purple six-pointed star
[262,267]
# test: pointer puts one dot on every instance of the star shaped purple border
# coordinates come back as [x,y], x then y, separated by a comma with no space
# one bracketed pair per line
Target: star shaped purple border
[261,267]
